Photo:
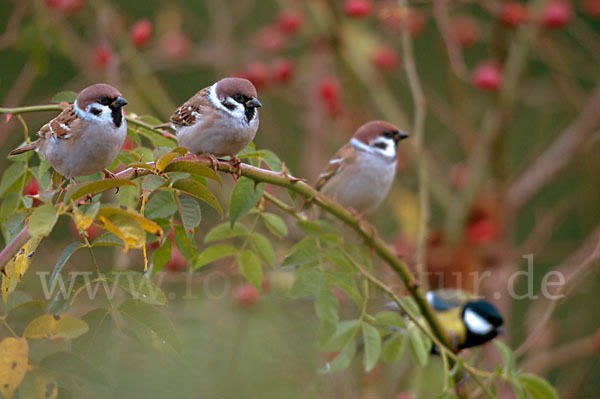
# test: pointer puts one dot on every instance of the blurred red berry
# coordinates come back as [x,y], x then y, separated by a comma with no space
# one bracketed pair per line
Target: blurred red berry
[289,21]
[270,39]
[175,45]
[93,231]
[385,58]
[283,70]
[329,92]
[66,6]
[246,295]
[597,342]
[403,395]
[592,8]
[102,55]
[482,231]
[358,8]
[128,144]
[258,73]
[393,17]
[32,187]
[513,14]
[487,76]
[465,30]
[177,262]
[557,13]
[140,34]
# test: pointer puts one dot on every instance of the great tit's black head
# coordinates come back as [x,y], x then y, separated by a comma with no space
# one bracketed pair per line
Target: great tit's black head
[482,321]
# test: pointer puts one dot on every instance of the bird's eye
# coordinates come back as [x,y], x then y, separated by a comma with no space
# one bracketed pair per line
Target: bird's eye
[95,111]
[104,101]
[239,98]
[387,134]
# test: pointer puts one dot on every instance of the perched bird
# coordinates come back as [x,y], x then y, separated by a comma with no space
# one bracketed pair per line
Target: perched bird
[219,120]
[361,173]
[85,137]
[468,320]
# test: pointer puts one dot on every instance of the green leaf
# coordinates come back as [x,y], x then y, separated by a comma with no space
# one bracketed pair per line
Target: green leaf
[192,168]
[42,220]
[272,160]
[275,224]
[73,365]
[183,243]
[64,257]
[345,332]
[250,268]
[537,387]
[199,191]
[166,159]
[305,251]
[55,327]
[393,348]
[138,285]
[161,256]
[308,281]
[390,319]
[10,176]
[152,319]
[94,187]
[160,205]
[418,348]
[327,308]
[224,231]
[508,358]
[244,197]
[95,343]
[344,358]
[372,341]
[517,388]
[213,253]
[347,283]
[412,306]
[107,240]
[152,182]
[262,246]
[190,212]
[64,97]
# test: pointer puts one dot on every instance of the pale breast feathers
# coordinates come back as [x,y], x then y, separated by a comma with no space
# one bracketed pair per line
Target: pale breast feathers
[343,157]
[62,127]
[186,114]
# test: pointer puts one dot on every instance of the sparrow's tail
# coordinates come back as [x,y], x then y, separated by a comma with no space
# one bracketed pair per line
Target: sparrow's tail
[23,149]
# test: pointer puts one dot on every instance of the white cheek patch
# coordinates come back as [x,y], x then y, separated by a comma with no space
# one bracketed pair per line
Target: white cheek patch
[477,324]
[388,152]
[238,112]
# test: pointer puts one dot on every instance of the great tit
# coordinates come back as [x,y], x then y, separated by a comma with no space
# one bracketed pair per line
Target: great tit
[468,320]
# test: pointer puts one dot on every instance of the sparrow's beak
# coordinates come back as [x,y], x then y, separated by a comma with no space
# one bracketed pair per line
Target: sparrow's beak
[119,102]
[400,135]
[253,103]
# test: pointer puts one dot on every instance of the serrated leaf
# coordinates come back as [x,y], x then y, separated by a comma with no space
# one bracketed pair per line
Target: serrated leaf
[308,281]
[129,231]
[393,348]
[160,205]
[191,215]
[10,175]
[138,285]
[305,251]
[250,268]
[244,197]
[517,388]
[418,348]
[107,240]
[345,332]
[327,306]
[161,256]
[199,191]
[537,387]
[192,168]
[95,343]
[275,224]
[272,160]
[152,182]
[64,257]
[224,231]
[390,319]
[372,342]
[64,97]
[213,253]
[42,220]
[55,327]
[344,358]
[148,225]
[187,249]
[14,358]
[347,283]
[262,246]
[153,319]
[94,187]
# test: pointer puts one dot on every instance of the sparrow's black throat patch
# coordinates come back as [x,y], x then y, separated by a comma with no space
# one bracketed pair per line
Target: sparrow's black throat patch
[117,116]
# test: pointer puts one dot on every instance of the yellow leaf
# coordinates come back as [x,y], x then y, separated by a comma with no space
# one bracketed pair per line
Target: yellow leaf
[14,356]
[132,236]
[55,327]
[82,221]
[16,268]
[147,225]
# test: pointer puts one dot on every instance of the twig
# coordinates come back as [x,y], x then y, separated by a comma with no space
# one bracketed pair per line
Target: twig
[13,247]
[457,62]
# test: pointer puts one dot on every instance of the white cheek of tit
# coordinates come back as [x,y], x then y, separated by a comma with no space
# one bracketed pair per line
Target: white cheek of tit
[477,324]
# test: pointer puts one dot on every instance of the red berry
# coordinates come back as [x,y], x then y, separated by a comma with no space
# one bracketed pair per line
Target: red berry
[289,21]
[592,8]
[482,231]
[175,45]
[283,70]
[177,262]
[466,30]
[102,55]
[358,8]
[557,14]
[403,395]
[270,39]
[246,295]
[385,58]
[66,6]
[329,92]
[258,73]
[513,14]
[128,144]
[487,76]
[93,231]
[32,187]
[140,33]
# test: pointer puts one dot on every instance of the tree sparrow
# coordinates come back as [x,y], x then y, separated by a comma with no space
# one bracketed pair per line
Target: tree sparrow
[85,137]
[361,173]
[219,120]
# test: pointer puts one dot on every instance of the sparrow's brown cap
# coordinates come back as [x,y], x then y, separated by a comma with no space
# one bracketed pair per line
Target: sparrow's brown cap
[230,87]
[98,93]
[370,130]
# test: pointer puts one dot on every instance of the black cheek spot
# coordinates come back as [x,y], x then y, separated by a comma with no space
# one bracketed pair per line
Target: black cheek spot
[382,146]
[95,111]
[229,105]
